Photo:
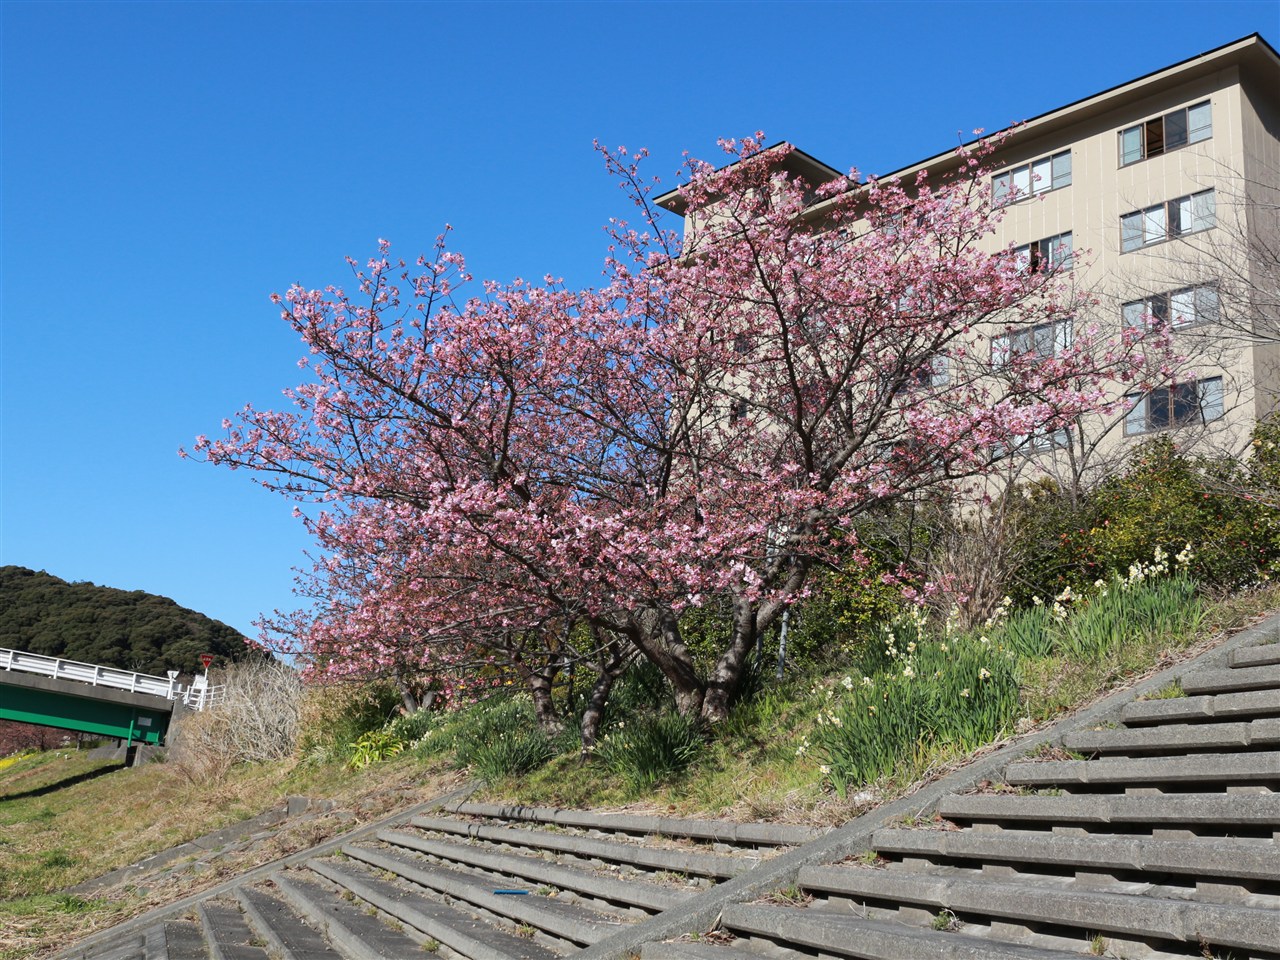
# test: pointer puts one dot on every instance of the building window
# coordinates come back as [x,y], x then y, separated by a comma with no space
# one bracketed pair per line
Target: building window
[1041,342]
[1169,132]
[1037,441]
[1052,253]
[1164,221]
[1038,176]
[1179,405]
[1179,308]
[936,372]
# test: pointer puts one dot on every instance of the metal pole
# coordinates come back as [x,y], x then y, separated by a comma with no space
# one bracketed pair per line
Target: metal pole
[782,641]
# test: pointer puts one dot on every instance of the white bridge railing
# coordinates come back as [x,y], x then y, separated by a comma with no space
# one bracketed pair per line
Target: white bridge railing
[198,695]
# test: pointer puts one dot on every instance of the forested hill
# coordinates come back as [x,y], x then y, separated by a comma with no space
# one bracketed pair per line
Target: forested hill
[135,630]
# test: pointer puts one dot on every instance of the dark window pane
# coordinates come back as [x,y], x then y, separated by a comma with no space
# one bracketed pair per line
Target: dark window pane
[1186,403]
[1155,137]
[1175,129]
[1158,409]
[1177,220]
[1160,307]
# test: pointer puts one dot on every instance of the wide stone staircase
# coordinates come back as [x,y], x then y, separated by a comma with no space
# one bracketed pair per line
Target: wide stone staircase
[482,882]
[1155,837]
[1142,829]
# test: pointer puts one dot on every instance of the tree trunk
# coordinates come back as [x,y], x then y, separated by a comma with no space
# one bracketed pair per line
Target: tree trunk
[544,708]
[728,669]
[540,679]
[610,668]
[658,638]
[407,696]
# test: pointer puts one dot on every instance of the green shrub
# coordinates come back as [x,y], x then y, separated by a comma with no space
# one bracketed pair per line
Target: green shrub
[497,737]
[847,608]
[646,751]
[337,715]
[641,689]
[1166,499]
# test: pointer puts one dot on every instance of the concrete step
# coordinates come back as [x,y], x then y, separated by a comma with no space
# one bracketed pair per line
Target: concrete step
[1251,705]
[846,935]
[349,930]
[130,947]
[1178,738]
[178,940]
[1186,810]
[286,936]
[632,892]
[1266,653]
[174,940]
[464,932]
[676,860]
[1215,768]
[719,831]
[1033,903]
[227,932]
[559,918]
[1221,857]
[1232,680]
[734,950]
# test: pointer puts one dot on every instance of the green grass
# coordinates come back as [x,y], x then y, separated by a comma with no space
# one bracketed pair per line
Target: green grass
[1170,691]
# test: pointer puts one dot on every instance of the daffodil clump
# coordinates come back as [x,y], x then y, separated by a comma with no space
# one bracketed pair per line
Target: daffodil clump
[957,690]
[919,690]
[1154,597]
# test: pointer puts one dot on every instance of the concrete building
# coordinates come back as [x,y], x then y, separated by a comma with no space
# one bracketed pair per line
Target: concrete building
[1168,190]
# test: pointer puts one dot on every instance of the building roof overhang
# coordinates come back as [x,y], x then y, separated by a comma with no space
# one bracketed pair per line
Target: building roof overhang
[794,161]
[1256,59]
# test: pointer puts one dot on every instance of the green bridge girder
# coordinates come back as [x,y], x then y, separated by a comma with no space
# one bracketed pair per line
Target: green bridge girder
[103,713]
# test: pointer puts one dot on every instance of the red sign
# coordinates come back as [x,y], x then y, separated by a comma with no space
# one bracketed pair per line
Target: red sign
[206,659]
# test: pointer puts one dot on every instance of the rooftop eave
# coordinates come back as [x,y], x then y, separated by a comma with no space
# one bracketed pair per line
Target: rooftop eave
[798,163]
[1256,58]
[1252,54]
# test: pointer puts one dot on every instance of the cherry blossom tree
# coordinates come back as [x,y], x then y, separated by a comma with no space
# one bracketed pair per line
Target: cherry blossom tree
[707,423]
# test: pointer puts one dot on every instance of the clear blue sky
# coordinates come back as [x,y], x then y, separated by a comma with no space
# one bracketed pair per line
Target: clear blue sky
[166,166]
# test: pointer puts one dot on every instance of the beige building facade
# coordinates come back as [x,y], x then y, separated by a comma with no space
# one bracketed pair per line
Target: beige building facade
[1163,194]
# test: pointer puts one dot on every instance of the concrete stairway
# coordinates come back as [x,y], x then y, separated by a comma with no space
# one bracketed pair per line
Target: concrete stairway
[1157,837]
[483,882]
[1145,828]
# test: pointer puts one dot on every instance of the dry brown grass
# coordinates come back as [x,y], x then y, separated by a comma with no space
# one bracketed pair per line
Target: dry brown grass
[257,720]
[60,825]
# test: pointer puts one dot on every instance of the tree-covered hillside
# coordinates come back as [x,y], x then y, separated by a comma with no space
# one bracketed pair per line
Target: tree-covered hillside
[131,629]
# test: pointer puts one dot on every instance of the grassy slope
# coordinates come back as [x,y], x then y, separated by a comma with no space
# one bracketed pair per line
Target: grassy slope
[751,770]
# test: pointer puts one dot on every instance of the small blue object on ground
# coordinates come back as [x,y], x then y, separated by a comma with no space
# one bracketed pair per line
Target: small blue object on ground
[513,892]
